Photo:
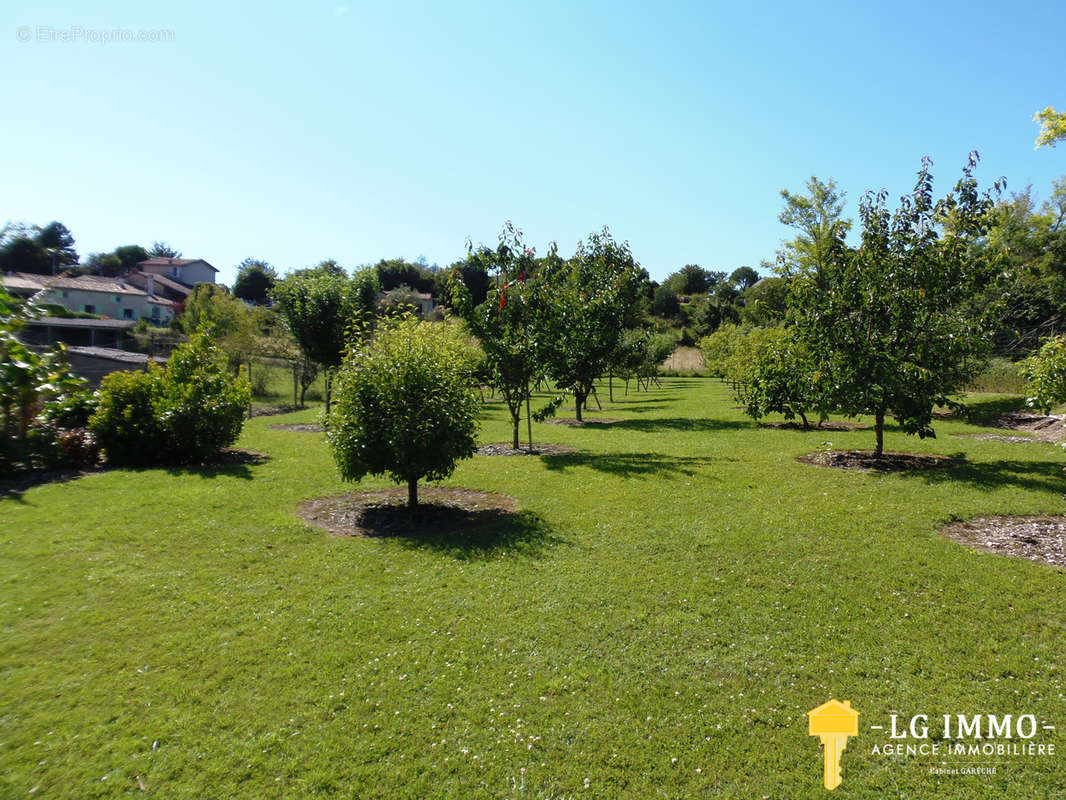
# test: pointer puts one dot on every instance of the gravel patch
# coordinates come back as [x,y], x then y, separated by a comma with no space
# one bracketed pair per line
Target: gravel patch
[1037,538]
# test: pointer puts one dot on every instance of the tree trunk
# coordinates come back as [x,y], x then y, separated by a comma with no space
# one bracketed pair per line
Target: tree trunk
[295,386]
[578,401]
[803,417]
[529,420]
[329,391]
[412,492]
[515,421]
[879,425]
[610,385]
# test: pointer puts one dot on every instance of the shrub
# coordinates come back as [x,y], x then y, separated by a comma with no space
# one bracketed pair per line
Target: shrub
[43,406]
[200,405]
[406,404]
[1045,374]
[125,423]
[184,412]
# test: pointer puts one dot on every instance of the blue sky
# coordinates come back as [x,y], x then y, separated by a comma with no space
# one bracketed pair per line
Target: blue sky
[295,132]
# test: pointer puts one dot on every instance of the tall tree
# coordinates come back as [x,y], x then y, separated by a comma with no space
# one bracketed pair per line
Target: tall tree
[1052,127]
[818,216]
[163,250]
[504,321]
[56,240]
[586,305]
[744,278]
[690,279]
[42,251]
[888,327]
[255,279]
[323,309]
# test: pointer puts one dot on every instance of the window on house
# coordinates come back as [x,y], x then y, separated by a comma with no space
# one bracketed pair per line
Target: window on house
[64,292]
[155,312]
[118,299]
[127,313]
[90,309]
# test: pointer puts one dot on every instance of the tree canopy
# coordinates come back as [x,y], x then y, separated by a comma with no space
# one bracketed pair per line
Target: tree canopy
[887,326]
[407,404]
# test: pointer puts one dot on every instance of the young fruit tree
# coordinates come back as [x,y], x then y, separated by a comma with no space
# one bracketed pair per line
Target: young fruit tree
[888,326]
[407,404]
[587,304]
[780,378]
[1045,374]
[503,322]
[321,308]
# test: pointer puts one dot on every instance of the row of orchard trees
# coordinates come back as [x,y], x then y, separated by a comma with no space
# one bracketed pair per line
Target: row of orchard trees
[571,321]
[887,328]
[407,401]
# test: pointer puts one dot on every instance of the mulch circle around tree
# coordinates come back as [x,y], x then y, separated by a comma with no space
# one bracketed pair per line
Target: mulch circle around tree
[539,449]
[573,423]
[887,462]
[440,511]
[1037,538]
[299,427]
[829,425]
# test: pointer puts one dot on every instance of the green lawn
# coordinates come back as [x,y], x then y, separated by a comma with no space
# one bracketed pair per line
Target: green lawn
[656,623]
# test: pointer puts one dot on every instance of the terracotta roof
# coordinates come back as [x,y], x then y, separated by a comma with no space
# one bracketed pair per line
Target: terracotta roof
[110,353]
[162,280]
[83,283]
[24,280]
[92,283]
[164,261]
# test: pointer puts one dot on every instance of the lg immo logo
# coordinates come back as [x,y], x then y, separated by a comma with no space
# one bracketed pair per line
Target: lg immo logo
[951,742]
[833,723]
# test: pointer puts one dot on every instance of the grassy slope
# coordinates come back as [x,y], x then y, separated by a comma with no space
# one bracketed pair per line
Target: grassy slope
[684,589]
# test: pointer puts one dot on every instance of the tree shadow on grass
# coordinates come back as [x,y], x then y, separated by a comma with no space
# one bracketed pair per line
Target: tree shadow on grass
[1041,476]
[638,407]
[704,425]
[480,535]
[627,465]
[230,463]
[983,412]
[13,489]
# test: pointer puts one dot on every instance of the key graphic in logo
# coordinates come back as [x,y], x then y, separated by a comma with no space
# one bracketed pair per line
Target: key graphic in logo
[833,723]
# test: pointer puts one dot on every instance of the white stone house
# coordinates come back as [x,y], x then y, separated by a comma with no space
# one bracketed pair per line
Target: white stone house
[189,271]
[107,297]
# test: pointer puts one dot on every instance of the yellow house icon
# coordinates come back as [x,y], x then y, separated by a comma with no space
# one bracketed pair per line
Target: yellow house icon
[833,723]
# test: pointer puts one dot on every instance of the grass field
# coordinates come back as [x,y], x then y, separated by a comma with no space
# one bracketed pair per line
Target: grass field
[656,622]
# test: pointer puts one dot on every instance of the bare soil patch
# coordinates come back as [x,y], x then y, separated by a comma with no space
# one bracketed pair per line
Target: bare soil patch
[270,411]
[828,425]
[1043,428]
[573,423]
[1037,538]
[539,449]
[887,462]
[441,511]
[299,427]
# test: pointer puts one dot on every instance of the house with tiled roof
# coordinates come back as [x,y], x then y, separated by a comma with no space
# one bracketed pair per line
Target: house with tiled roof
[115,298]
[189,271]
